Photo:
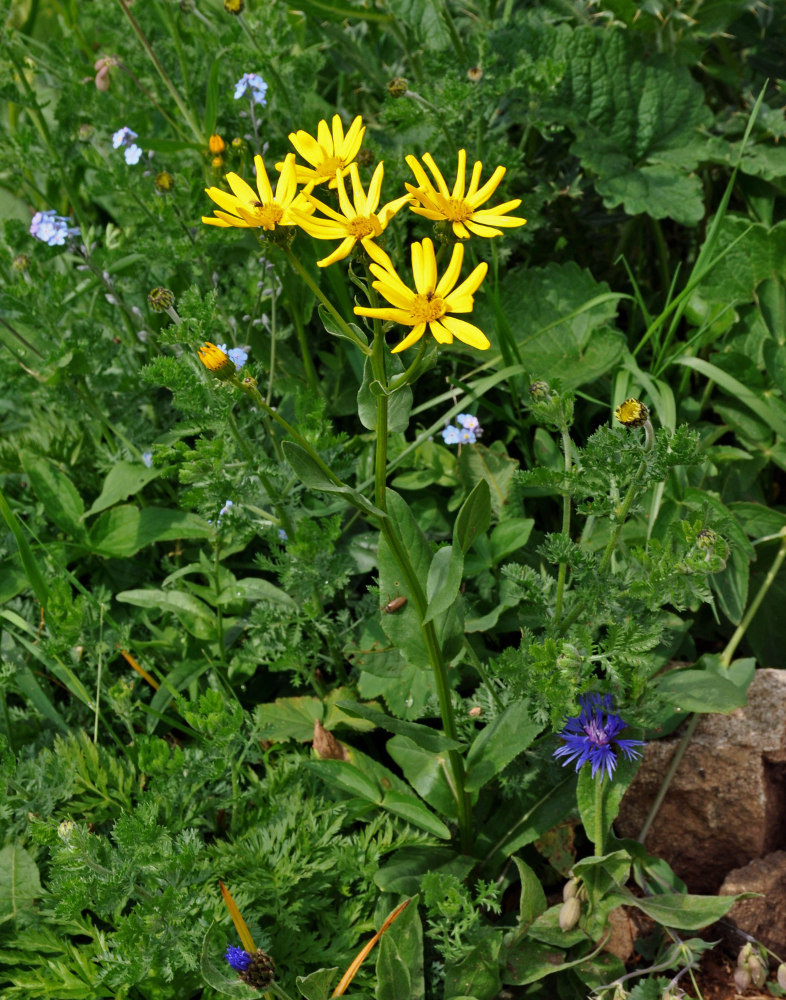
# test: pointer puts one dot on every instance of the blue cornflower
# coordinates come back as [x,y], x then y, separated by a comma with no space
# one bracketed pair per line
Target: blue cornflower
[592,736]
[51,228]
[254,83]
[236,355]
[238,958]
[125,137]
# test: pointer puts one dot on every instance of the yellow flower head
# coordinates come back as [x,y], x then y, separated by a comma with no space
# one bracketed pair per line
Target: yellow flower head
[360,219]
[460,208]
[216,361]
[329,152]
[632,413]
[260,209]
[433,299]
[216,144]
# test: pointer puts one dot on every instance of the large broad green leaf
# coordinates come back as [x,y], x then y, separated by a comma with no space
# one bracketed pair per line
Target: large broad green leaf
[194,615]
[313,475]
[400,958]
[424,19]
[492,464]
[123,480]
[478,973]
[561,320]
[122,531]
[759,254]
[347,777]
[399,402]
[318,985]
[416,813]
[423,736]
[700,691]
[62,502]
[533,899]
[426,772]
[681,910]
[637,121]
[611,793]
[497,744]
[20,885]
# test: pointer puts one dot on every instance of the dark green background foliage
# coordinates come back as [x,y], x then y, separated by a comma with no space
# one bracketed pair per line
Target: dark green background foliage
[645,144]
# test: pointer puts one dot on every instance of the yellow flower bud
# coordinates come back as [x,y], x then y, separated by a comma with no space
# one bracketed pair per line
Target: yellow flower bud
[632,413]
[216,144]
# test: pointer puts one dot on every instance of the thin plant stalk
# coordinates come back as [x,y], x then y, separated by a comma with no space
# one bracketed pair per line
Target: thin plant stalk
[599,832]
[563,567]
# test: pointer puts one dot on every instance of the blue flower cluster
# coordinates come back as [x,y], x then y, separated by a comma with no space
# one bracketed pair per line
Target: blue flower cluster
[238,958]
[125,137]
[468,431]
[252,82]
[236,355]
[591,736]
[51,228]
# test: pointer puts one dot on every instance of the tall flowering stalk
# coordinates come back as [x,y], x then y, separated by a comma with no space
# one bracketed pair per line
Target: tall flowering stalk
[435,303]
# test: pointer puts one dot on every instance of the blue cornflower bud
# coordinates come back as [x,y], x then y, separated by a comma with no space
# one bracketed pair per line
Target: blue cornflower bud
[591,736]
[238,958]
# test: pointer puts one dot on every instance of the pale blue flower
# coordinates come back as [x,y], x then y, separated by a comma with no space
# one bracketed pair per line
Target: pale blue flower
[450,434]
[147,458]
[591,736]
[125,137]
[254,83]
[236,355]
[51,228]
[467,436]
[283,535]
[468,421]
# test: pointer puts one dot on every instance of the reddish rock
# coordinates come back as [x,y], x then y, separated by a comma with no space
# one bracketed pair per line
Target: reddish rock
[726,804]
[763,917]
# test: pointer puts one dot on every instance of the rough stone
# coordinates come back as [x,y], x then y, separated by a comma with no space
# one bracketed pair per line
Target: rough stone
[726,804]
[762,917]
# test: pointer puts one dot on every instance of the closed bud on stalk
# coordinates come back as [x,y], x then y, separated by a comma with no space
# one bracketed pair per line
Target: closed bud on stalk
[216,144]
[397,87]
[742,979]
[65,830]
[781,975]
[570,889]
[234,6]
[569,914]
[163,182]
[160,299]
[620,993]
[539,390]
[757,968]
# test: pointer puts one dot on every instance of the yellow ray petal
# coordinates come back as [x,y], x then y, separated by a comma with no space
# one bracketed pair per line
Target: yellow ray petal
[353,140]
[474,180]
[337,135]
[325,139]
[345,204]
[307,146]
[411,338]
[339,253]
[461,175]
[428,159]
[452,271]
[263,184]
[393,315]
[467,333]
[482,230]
[440,333]
[374,189]
[488,188]
[241,189]
[470,285]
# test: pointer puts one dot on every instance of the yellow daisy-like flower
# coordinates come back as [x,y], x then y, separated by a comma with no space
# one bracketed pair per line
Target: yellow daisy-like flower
[329,152]
[360,219]
[216,361]
[260,209]
[433,299]
[460,208]
[632,413]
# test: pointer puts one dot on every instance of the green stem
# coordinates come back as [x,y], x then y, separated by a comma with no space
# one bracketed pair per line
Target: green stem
[563,567]
[742,628]
[346,329]
[200,138]
[439,669]
[599,834]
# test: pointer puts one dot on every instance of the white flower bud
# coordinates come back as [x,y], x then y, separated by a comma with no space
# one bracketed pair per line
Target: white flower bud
[569,914]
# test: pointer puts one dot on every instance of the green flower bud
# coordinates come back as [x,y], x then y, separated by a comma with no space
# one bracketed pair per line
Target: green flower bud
[539,390]
[397,87]
[160,299]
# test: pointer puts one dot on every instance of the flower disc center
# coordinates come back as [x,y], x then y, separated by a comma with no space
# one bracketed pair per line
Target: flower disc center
[362,226]
[457,210]
[428,307]
[269,216]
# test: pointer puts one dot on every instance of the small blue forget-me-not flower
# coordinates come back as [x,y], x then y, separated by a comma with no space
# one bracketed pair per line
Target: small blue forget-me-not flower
[51,228]
[125,137]
[254,83]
